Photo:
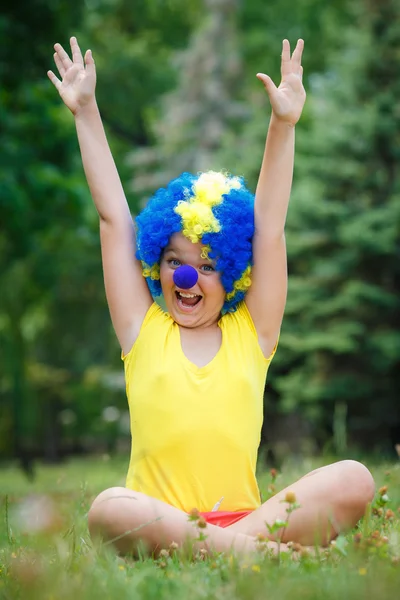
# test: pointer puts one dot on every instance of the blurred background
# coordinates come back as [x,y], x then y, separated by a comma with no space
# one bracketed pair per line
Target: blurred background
[177,91]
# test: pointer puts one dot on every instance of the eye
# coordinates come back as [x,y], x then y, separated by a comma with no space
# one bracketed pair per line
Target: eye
[207,268]
[174,262]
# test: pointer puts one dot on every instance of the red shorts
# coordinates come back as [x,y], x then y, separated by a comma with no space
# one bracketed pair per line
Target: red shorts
[224,518]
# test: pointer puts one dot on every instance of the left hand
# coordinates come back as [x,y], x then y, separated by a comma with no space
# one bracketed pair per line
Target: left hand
[288,99]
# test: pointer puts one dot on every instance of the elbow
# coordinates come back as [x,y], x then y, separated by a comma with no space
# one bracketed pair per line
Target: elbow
[111,222]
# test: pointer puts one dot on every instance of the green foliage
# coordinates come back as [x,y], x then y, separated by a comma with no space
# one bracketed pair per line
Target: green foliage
[27,37]
[177,90]
[56,346]
[196,115]
[133,44]
[340,341]
[46,231]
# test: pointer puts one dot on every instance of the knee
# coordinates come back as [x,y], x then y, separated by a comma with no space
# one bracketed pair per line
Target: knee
[100,513]
[104,513]
[358,487]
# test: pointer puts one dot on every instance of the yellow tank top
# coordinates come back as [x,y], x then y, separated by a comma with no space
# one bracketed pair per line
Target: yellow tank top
[196,430]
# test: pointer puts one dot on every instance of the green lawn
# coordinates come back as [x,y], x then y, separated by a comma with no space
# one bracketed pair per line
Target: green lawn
[52,557]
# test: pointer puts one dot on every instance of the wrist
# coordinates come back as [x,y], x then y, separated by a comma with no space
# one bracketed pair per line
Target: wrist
[281,124]
[87,110]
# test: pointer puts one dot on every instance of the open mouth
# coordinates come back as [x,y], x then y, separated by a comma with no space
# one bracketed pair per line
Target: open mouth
[186,300]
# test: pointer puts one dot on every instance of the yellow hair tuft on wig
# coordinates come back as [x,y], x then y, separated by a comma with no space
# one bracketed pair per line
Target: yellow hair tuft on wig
[196,211]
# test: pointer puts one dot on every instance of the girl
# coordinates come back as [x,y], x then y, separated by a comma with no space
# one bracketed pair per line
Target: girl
[195,375]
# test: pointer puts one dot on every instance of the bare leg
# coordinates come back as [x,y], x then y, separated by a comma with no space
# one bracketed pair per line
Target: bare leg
[332,499]
[130,519]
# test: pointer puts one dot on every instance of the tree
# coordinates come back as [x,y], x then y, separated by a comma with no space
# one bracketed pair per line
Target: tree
[43,196]
[56,342]
[340,344]
[198,113]
[133,44]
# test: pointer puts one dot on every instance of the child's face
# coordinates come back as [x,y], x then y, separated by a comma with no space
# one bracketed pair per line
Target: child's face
[207,296]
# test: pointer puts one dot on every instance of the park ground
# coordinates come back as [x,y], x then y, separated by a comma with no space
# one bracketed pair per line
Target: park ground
[46,553]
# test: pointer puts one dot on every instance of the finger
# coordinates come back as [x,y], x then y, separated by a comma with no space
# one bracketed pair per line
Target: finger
[63,56]
[268,83]
[54,80]
[76,51]
[89,62]
[59,64]
[285,62]
[296,57]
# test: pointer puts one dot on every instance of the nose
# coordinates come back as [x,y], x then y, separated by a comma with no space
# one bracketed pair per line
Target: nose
[185,277]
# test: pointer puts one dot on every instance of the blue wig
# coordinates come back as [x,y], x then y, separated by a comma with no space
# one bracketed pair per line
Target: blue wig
[212,208]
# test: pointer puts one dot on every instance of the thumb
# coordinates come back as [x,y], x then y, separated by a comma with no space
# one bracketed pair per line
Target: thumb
[268,83]
[89,62]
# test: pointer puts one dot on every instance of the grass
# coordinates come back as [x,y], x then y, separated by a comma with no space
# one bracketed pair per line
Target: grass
[52,558]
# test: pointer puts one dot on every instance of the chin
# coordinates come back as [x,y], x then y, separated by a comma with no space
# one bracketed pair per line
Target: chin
[194,318]
[183,318]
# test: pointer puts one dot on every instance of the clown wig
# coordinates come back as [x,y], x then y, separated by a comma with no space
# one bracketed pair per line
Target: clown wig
[213,208]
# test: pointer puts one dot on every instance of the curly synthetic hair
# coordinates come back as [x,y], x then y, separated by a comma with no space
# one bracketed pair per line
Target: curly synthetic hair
[213,208]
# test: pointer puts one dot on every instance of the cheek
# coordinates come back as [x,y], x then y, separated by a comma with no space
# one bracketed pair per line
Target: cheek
[215,288]
[165,276]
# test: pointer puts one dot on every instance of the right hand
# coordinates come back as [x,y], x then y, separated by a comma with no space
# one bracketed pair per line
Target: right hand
[78,76]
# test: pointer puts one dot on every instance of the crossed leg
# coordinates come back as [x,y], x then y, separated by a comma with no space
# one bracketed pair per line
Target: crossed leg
[132,520]
[332,499]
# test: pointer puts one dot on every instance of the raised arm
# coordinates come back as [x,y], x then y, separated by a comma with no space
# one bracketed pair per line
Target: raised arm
[127,293]
[266,297]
